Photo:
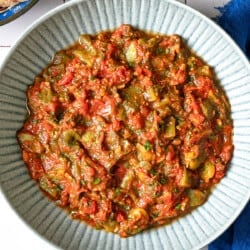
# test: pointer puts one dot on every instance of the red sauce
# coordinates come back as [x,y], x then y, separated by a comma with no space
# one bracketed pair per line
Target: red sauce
[127,130]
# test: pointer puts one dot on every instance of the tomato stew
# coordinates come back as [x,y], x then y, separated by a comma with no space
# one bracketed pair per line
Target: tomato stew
[127,130]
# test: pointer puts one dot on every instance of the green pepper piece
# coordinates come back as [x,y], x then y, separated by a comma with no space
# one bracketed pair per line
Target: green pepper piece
[185,180]
[46,95]
[207,171]
[48,187]
[196,197]
[97,180]
[131,53]
[195,157]
[84,56]
[86,41]
[170,128]
[208,109]
[147,146]
[133,97]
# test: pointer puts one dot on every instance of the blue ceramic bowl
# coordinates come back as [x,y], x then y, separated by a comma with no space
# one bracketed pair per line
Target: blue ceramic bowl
[9,14]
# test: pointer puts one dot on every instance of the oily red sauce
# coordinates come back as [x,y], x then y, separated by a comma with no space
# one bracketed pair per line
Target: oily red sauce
[127,130]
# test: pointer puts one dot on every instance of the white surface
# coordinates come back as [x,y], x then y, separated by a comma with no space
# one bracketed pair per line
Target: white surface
[14,233]
[3,53]
[11,31]
[207,7]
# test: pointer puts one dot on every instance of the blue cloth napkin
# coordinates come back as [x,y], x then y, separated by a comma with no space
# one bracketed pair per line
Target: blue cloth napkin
[235,19]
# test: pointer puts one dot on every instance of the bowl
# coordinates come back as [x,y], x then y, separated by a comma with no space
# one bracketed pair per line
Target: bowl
[60,28]
[10,13]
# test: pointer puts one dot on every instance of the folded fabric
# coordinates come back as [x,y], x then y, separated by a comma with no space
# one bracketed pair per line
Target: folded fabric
[235,19]
[237,237]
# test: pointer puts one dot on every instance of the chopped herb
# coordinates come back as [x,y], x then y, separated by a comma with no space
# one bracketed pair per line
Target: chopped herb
[178,206]
[166,72]
[162,126]
[117,191]
[126,164]
[154,215]
[156,194]
[153,171]
[191,64]
[126,207]
[163,180]
[97,181]
[159,50]
[131,64]
[176,190]
[147,146]
[83,182]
